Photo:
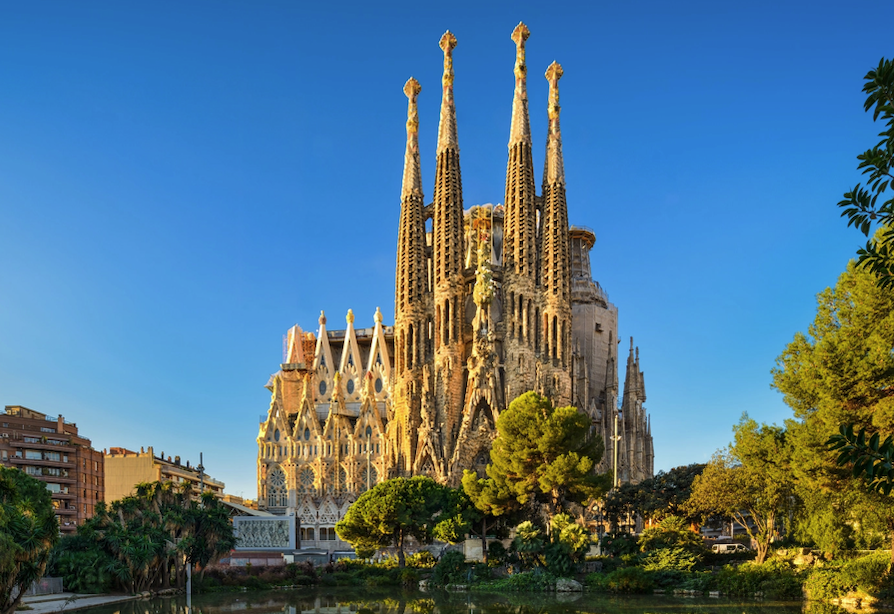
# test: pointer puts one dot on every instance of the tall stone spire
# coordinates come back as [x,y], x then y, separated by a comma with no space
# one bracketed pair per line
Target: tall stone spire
[554,167]
[410,278]
[523,320]
[520,217]
[521,126]
[448,253]
[447,126]
[412,183]
[411,294]
[555,256]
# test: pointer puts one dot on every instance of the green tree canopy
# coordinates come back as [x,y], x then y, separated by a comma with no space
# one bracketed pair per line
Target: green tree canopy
[654,498]
[871,208]
[543,458]
[751,482]
[401,507]
[28,531]
[146,540]
[840,373]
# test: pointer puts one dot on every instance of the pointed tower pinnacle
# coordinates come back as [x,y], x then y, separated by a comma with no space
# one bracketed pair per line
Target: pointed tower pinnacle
[412,183]
[448,255]
[411,265]
[554,171]
[447,126]
[519,225]
[521,126]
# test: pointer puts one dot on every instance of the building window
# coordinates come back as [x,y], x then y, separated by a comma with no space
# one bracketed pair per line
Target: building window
[327,534]
[306,480]
[307,534]
[276,488]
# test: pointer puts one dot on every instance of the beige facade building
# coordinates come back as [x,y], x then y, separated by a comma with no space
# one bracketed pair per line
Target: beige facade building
[51,450]
[124,469]
[490,302]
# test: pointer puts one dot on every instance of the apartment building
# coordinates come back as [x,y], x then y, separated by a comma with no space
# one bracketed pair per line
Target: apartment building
[51,450]
[124,469]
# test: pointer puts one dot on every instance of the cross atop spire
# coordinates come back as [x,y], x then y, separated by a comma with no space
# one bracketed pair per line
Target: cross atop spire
[521,127]
[447,127]
[412,182]
[555,167]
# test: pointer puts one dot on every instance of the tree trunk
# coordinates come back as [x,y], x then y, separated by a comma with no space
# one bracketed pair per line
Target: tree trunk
[401,561]
[15,602]
[484,539]
[891,530]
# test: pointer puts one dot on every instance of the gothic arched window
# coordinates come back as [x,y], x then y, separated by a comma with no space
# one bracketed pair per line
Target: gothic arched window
[306,480]
[277,495]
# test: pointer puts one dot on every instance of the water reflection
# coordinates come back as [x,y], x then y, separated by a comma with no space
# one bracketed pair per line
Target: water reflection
[391,601]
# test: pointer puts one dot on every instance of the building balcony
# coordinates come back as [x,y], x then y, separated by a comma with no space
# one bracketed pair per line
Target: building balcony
[62,511]
[19,461]
[21,443]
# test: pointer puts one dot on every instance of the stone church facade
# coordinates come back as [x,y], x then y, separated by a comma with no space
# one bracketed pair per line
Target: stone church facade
[490,302]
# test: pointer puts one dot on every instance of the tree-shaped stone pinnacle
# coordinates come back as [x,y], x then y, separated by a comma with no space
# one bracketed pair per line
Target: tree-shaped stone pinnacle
[323,318]
[412,89]
[448,42]
[553,74]
[350,317]
[520,34]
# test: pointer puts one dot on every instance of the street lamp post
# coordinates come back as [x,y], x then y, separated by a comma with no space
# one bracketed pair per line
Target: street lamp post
[369,432]
[615,439]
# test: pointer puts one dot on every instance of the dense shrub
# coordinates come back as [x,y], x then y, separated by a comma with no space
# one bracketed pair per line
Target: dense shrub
[623,580]
[774,579]
[421,560]
[451,569]
[496,553]
[868,574]
[672,532]
[825,584]
[676,558]
[618,544]
[536,580]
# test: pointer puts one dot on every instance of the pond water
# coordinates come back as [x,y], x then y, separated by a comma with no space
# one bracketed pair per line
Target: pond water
[396,601]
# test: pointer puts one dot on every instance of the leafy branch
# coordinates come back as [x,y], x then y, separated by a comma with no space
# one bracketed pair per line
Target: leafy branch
[873,459]
[871,208]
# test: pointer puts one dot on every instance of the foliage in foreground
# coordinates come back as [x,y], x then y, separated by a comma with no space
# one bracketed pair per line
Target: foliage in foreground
[399,508]
[28,531]
[145,541]
[861,205]
[841,372]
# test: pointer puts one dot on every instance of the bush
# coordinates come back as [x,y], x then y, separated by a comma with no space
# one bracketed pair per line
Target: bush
[421,560]
[677,558]
[623,580]
[451,569]
[672,532]
[496,553]
[773,579]
[868,574]
[527,581]
[618,544]
[825,584]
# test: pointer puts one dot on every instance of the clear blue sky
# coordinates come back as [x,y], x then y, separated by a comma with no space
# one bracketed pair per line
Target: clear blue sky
[182,182]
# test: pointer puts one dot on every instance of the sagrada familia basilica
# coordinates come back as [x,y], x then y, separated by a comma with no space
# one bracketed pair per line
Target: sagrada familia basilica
[489,303]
